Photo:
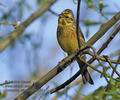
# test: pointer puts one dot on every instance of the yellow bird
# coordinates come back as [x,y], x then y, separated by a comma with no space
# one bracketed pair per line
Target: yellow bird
[67,39]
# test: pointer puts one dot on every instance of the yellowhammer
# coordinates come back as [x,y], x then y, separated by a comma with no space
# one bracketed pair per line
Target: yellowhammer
[67,39]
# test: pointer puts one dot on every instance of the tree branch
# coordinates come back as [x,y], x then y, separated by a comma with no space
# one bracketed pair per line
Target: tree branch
[115,66]
[90,61]
[44,6]
[78,29]
[60,67]
[96,56]
[64,63]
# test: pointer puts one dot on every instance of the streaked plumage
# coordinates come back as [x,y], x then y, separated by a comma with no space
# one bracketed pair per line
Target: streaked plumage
[67,38]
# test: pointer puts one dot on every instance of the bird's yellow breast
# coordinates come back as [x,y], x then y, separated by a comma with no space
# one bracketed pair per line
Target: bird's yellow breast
[67,39]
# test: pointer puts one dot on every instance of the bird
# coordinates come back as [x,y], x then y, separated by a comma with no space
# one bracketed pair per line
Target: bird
[67,39]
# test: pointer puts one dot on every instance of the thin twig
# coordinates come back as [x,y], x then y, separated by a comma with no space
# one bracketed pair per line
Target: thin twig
[114,69]
[77,24]
[115,66]
[111,65]
[96,57]
[53,12]
[104,71]
[92,67]
[101,57]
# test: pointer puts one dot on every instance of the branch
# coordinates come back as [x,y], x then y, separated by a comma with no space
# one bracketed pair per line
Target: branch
[114,69]
[60,67]
[104,28]
[96,56]
[64,63]
[44,6]
[115,66]
[111,65]
[77,24]
[53,12]
[90,61]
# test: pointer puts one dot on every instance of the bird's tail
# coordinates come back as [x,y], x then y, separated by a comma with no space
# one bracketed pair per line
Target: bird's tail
[85,76]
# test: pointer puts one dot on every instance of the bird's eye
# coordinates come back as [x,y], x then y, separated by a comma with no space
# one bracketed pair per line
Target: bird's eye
[67,16]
